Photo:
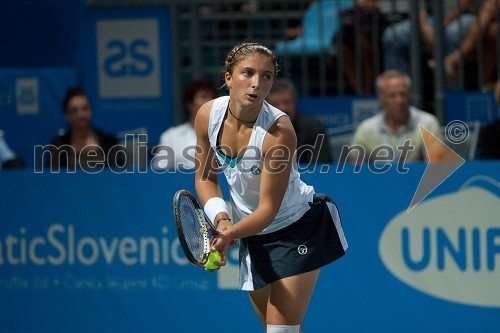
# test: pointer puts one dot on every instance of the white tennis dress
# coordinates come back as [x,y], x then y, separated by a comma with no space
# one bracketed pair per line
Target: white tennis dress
[244,177]
[305,234]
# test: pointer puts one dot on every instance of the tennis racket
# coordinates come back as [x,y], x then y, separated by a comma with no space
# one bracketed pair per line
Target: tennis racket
[194,228]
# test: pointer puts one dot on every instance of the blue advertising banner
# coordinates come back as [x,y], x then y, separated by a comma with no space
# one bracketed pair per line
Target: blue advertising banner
[341,114]
[471,105]
[99,253]
[30,106]
[126,58]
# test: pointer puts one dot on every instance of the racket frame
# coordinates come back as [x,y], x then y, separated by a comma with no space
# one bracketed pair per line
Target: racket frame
[203,221]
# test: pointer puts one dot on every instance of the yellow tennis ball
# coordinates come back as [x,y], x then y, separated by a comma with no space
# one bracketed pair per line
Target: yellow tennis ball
[212,258]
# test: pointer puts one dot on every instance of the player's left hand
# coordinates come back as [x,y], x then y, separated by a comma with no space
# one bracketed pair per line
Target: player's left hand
[223,226]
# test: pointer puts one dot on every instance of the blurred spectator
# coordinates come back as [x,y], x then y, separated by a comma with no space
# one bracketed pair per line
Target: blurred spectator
[396,38]
[177,143]
[366,22]
[82,145]
[236,26]
[312,140]
[489,136]
[316,31]
[489,141]
[485,27]
[249,6]
[294,30]
[8,159]
[497,93]
[394,132]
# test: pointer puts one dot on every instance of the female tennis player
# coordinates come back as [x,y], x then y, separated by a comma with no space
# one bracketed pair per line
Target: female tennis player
[286,231]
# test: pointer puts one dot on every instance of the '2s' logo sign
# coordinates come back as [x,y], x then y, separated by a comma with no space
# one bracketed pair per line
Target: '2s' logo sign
[128,59]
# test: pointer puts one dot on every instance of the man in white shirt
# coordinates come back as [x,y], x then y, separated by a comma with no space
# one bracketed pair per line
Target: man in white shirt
[393,134]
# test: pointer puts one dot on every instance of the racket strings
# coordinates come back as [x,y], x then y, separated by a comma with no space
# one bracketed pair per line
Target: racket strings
[195,235]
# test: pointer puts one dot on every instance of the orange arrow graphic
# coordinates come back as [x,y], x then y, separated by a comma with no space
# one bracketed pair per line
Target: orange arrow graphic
[443,161]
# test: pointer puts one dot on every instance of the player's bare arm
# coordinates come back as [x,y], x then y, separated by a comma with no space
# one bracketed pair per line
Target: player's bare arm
[206,182]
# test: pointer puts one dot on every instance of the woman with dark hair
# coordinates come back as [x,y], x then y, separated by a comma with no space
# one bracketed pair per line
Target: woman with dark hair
[82,145]
[177,143]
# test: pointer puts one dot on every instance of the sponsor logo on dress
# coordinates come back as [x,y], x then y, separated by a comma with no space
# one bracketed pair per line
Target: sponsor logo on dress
[255,170]
[302,249]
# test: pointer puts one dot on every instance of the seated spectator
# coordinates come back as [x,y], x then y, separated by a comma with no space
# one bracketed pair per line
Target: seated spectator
[295,28]
[365,21]
[489,136]
[394,132]
[496,93]
[8,159]
[314,35]
[396,38]
[484,26]
[82,145]
[312,140]
[489,141]
[177,143]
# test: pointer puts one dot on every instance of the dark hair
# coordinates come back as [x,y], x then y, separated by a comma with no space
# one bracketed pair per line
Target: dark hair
[243,50]
[70,93]
[195,86]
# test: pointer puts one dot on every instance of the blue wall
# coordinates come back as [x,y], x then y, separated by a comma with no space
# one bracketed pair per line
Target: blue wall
[40,33]
[98,253]
[125,68]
